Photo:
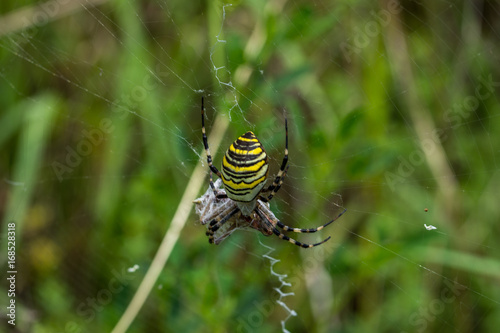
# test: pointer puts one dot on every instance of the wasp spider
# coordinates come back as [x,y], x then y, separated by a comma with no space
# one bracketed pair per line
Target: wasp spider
[244,199]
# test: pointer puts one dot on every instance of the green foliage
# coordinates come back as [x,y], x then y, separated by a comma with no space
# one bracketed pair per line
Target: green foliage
[100,132]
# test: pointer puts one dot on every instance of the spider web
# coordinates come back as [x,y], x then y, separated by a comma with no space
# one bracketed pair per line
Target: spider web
[416,248]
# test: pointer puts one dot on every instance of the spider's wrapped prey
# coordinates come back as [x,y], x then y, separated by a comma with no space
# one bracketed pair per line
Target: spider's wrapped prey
[208,207]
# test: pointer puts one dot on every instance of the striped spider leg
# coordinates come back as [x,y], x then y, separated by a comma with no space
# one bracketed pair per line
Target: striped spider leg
[270,221]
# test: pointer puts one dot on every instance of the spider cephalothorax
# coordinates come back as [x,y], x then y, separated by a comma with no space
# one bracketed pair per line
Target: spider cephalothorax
[244,173]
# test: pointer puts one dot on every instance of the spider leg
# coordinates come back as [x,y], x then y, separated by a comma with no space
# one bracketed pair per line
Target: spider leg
[269,224]
[218,195]
[217,222]
[205,143]
[287,228]
[213,210]
[275,186]
[276,189]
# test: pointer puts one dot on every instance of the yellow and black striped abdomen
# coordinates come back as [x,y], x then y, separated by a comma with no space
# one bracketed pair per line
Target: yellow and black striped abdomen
[244,168]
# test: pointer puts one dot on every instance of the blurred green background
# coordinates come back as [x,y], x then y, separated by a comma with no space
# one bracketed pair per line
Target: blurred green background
[393,111]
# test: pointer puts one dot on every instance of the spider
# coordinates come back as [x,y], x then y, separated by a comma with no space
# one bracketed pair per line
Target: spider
[244,200]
